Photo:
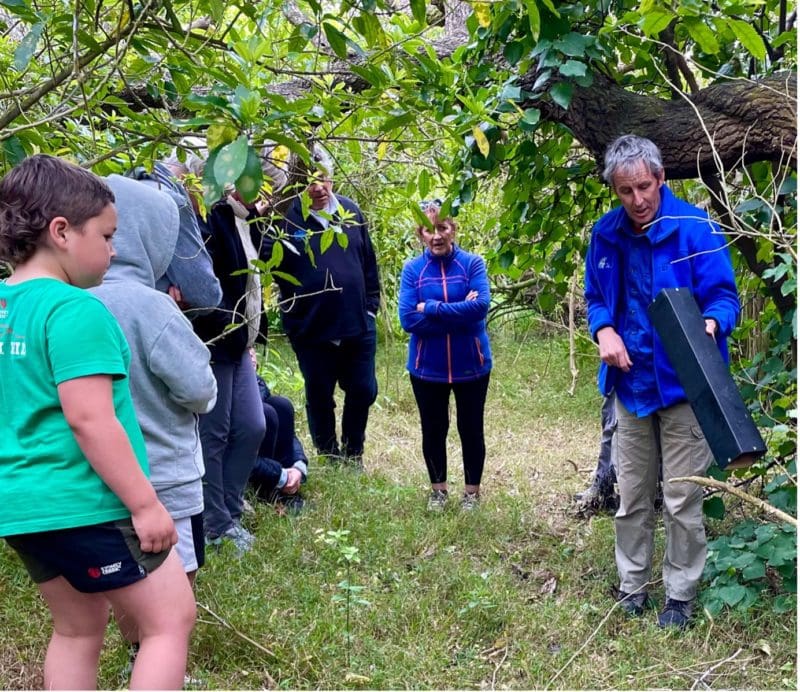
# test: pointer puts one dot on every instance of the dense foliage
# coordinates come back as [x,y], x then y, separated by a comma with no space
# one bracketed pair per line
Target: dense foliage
[501,108]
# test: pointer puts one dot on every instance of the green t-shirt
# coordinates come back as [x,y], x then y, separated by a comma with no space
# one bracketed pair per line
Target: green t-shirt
[51,332]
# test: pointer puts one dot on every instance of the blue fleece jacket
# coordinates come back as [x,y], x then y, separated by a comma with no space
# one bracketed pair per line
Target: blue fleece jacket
[682,248]
[448,342]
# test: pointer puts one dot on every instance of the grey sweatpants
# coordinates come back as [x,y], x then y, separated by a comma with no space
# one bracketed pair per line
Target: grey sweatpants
[684,452]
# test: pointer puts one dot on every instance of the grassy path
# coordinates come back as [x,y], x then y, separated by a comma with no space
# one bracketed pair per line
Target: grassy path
[366,590]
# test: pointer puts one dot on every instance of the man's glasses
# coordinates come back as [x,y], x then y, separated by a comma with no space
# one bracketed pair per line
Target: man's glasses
[426,204]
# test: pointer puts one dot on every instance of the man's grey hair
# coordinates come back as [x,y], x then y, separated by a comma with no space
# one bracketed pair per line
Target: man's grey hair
[322,160]
[195,158]
[626,151]
[273,167]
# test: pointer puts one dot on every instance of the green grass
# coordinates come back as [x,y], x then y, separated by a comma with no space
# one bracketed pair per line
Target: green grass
[514,595]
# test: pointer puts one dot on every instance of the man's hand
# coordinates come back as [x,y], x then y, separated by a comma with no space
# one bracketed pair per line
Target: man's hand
[711,327]
[293,479]
[612,349]
[155,528]
[472,295]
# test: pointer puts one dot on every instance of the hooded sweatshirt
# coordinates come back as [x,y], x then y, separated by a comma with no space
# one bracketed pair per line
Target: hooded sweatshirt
[170,375]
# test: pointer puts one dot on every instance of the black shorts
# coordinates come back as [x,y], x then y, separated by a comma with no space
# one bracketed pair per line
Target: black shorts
[93,558]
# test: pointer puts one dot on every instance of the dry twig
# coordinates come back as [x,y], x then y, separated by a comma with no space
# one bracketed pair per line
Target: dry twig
[746,497]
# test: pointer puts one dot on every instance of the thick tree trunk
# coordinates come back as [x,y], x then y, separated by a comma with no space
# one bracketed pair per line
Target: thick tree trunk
[740,121]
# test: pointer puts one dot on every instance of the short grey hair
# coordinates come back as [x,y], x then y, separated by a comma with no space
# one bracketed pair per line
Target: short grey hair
[195,159]
[273,167]
[626,151]
[322,160]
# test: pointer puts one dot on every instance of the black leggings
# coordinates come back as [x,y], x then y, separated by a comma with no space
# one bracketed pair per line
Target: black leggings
[433,402]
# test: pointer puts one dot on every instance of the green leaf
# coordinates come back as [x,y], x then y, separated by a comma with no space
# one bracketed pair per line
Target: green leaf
[656,20]
[573,68]
[561,93]
[327,239]
[748,37]
[248,184]
[784,604]
[702,34]
[534,20]
[336,39]
[286,277]
[343,239]
[731,595]
[230,161]
[396,121]
[13,151]
[755,570]
[714,507]
[424,183]
[27,47]
[418,11]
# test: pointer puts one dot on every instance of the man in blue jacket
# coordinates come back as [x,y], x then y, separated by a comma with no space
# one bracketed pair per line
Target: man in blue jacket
[329,308]
[653,241]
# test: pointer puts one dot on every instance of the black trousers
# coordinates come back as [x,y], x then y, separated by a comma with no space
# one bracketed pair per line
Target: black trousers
[351,365]
[433,402]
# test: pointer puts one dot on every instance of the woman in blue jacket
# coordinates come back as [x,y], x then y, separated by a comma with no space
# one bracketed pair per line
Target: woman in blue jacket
[444,299]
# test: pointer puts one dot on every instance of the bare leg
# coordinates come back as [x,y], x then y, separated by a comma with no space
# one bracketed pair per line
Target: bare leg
[79,625]
[163,610]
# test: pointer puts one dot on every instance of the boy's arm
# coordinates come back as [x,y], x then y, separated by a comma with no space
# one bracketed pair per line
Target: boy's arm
[88,406]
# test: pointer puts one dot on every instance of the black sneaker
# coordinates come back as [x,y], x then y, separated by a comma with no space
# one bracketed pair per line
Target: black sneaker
[676,614]
[632,603]
[291,504]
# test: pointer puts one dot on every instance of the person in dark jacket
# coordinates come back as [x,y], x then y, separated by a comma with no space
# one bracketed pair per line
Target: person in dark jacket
[232,432]
[329,309]
[654,241]
[281,465]
[443,303]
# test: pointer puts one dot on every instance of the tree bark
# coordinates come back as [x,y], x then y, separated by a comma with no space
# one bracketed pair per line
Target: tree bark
[742,121]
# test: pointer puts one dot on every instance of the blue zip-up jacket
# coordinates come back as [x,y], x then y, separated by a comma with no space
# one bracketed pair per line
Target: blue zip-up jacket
[448,342]
[687,250]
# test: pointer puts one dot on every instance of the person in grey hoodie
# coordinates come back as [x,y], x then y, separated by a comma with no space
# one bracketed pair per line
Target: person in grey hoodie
[170,375]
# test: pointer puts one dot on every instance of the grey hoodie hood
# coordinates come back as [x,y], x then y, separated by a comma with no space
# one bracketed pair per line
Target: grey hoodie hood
[147,230]
[171,379]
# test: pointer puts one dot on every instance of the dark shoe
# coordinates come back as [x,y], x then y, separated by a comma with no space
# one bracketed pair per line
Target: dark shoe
[598,497]
[675,614]
[290,504]
[632,603]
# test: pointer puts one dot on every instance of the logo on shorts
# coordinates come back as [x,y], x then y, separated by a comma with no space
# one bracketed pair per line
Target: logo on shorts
[113,568]
[94,572]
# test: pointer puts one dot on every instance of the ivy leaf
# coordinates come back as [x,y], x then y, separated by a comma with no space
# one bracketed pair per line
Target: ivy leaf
[481,141]
[561,93]
[702,34]
[231,161]
[27,47]
[714,507]
[336,39]
[573,68]
[748,37]
[732,594]
[755,570]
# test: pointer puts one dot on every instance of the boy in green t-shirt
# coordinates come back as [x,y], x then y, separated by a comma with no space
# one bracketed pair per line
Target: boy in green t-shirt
[75,501]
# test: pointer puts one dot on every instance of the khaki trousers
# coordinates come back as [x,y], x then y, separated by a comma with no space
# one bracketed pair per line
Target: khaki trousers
[684,452]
